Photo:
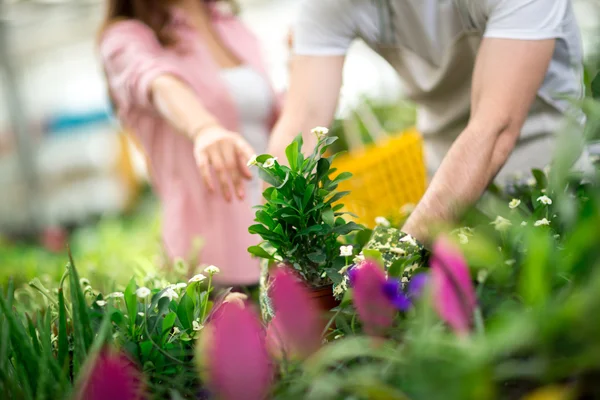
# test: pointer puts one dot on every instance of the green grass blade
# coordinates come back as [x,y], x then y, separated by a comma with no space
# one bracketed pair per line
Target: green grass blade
[24,354]
[82,330]
[63,341]
[33,335]
[4,328]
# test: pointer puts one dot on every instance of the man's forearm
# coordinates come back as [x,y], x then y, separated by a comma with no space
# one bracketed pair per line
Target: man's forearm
[468,168]
[285,131]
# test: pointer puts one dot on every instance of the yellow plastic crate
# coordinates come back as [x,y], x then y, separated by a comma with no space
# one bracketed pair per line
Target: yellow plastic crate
[387,175]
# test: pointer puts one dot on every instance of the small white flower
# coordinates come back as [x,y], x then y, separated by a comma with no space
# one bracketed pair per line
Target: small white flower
[543,190]
[319,131]
[270,162]
[545,200]
[142,292]
[252,161]
[397,250]
[196,325]
[212,270]
[463,239]
[510,262]
[181,285]
[84,282]
[101,303]
[541,222]
[404,279]
[410,240]
[346,251]
[531,181]
[197,278]
[176,330]
[501,223]
[382,221]
[141,314]
[482,275]
[115,295]
[524,223]
[514,203]
[170,293]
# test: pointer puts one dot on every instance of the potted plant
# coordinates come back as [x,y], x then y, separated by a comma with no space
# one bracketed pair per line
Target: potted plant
[302,219]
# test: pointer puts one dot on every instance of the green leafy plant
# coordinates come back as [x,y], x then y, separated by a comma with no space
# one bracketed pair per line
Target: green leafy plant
[302,219]
[48,345]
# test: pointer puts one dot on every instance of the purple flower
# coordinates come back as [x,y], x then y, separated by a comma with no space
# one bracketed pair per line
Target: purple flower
[352,275]
[417,285]
[393,291]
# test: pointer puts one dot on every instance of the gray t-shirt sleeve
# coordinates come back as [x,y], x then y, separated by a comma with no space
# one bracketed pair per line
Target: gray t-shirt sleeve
[526,19]
[324,27]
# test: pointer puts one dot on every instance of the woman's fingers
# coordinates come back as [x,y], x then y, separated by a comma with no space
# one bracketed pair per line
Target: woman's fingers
[218,164]
[204,166]
[228,153]
[244,152]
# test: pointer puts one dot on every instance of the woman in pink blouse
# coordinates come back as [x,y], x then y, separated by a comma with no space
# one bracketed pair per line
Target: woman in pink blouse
[188,81]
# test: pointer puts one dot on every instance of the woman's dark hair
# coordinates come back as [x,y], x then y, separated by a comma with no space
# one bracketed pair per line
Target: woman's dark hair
[153,13]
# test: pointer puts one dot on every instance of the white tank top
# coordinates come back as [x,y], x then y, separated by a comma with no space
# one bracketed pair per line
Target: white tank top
[254,101]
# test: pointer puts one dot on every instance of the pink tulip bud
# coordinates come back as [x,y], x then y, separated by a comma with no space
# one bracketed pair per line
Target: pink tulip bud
[297,325]
[454,295]
[237,360]
[374,308]
[112,376]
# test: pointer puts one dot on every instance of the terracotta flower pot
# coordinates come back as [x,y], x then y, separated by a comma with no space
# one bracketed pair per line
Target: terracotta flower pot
[324,297]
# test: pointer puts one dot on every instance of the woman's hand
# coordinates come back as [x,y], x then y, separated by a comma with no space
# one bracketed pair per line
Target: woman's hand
[227,153]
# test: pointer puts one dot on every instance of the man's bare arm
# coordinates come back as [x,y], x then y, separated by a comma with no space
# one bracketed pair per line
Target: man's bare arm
[506,78]
[315,84]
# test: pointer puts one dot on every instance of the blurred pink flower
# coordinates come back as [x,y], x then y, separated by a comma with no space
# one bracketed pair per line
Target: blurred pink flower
[112,376]
[297,326]
[454,295]
[237,360]
[374,307]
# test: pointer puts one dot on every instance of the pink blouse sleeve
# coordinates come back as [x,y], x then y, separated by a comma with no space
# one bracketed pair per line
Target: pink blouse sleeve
[133,58]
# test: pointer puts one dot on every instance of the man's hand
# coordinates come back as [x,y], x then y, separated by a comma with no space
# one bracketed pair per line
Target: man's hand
[506,78]
[227,153]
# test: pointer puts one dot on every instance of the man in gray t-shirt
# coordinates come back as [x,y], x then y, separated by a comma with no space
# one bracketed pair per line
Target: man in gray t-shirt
[490,79]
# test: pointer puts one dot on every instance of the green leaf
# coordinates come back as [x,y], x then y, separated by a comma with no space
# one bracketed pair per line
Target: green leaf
[534,282]
[328,216]
[131,304]
[374,255]
[269,178]
[596,87]
[396,269]
[263,157]
[291,153]
[82,329]
[33,335]
[265,219]
[24,352]
[185,311]
[63,341]
[322,169]
[337,197]
[540,178]
[347,228]
[259,252]
[318,257]
[311,229]
[342,177]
